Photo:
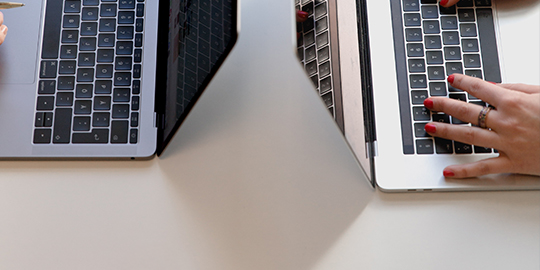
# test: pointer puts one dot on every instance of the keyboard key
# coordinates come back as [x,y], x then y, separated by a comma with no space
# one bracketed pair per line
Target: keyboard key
[103,87]
[419,130]
[430,12]
[433,42]
[320,10]
[324,54]
[412,19]
[66,83]
[431,27]
[467,29]
[120,111]
[121,95]
[417,66]
[462,148]
[88,44]
[125,32]
[67,67]
[471,60]
[123,63]
[42,136]
[46,87]
[449,23]
[326,85]
[126,17]
[411,5]
[418,81]
[84,90]
[81,123]
[48,69]
[62,125]
[476,73]
[107,25]
[108,10]
[104,71]
[122,79]
[421,114]
[89,28]
[465,3]
[72,6]
[469,45]
[124,47]
[447,11]
[139,25]
[453,67]
[415,50]
[418,96]
[102,103]
[452,53]
[138,40]
[424,146]
[100,136]
[105,56]
[413,34]
[119,131]
[137,71]
[133,136]
[436,73]
[101,119]
[136,88]
[140,10]
[71,21]
[460,97]
[85,75]
[45,103]
[52,27]
[90,2]
[443,146]
[126,4]
[324,69]
[441,118]
[64,99]
[322,40]
[68,52]
[482,3]
[483,150]
[70,36]
[137,56]
[321,25]
[434,57]
[437,89]
[135,103]
[450,38]
[90,14]
[466,15]
[83,107]
[328,100]
[134,120]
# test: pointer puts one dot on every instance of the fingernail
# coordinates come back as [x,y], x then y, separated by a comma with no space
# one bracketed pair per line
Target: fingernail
[428,103]
[4,30]
[302,14]
[492,82]
[448,173]
[451,79]
[430,128]
[443,2]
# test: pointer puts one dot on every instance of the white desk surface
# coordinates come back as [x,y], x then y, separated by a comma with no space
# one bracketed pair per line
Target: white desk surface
[257,178]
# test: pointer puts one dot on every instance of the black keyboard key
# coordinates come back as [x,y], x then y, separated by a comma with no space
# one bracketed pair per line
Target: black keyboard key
[81,123]
[64,99]
[102,103]
[421,114]
[71,21]
[119,131]
[70,36]
[469,45]
[125,32]
[135,103]
[87,59]
[42,136]
[471,60]
[52,27]
[324,69]
[431,27]
[121,95]
[120,111]
[441,118]
[134,120]
[124,47]
[67,67]
[424,147]
[476,73]
[452,53]
[443,146]
[126,4]
[46,87]
[140,10]
[89,28]
[419,130]
[413,34]
[466,15]
[137,56]
[468,30]
[84,90]
[137,71]
[328,100]
[418,81]
[66,83]
[321,25]
[126,17]
[123,63]
[326,85]
[104,71]
[308,7]
[320,10]
[415,50]
[411,5]
[90,14]
[136,88]
[68,52]
[90,2]
[465,3]
[122,79]
[100,136]
[453,67]
[322,40]
[449,23]
[72,6]
[45,103]
[462,148]
[482,3]
[447,11]
[38,122]
[450,38]
[62,125]
[436,73]
[417,66]
[488,41]
[433,42]
[138,40]
[88,44]
[139,25]
[83,106]
[430,12]
[49,69]
[437,89]
[418,96]
[85,75]
[105,56]
[481,150]
[434,57]
[108,10]
[309,38]
[460,97]
[101,119]
[412,19]
[48,120]
[107,25]
[133,136]
[103,87]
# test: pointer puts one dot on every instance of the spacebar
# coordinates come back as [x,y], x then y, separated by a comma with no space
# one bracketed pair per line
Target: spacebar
[488,44]
[51,32]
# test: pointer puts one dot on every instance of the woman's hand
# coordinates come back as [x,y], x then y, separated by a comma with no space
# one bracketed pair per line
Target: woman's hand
[3,29]
[513,128]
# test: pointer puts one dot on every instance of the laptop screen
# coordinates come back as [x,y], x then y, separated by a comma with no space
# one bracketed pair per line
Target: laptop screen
[200,35]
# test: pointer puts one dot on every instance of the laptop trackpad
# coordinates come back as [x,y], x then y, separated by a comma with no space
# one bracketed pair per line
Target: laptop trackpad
[18,54]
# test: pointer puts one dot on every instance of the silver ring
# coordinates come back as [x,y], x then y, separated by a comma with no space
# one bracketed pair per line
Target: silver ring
[482,116]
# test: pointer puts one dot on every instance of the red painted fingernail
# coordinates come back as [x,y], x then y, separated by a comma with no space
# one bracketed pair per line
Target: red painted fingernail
[428,103]
[451,79]
[444,2]
[448,173]
[492,82]
[302,14]
[430,128]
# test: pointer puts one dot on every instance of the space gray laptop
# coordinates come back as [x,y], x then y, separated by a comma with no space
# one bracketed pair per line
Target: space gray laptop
[106,78]
[373,62]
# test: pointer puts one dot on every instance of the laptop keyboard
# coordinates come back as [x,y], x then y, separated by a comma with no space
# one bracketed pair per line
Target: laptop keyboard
[89,80]
[437,42]
[314,48]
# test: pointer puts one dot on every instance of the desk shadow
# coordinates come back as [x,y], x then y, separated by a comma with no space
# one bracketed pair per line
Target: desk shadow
[266,213]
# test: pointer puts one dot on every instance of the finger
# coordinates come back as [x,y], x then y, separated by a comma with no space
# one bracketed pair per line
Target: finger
[3,33]
[494,165]
[463,111]
[1,18]
[301,16]
[483,90]
[448,3]
[465,134]
[520,87]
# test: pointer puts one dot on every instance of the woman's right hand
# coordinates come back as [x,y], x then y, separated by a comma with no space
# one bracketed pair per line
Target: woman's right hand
[3,29]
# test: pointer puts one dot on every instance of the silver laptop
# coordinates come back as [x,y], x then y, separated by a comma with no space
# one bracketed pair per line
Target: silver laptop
[106,78]
[374,62]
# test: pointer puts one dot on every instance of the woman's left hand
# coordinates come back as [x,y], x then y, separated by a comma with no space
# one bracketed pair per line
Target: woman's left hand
[513,128]
[3,29]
